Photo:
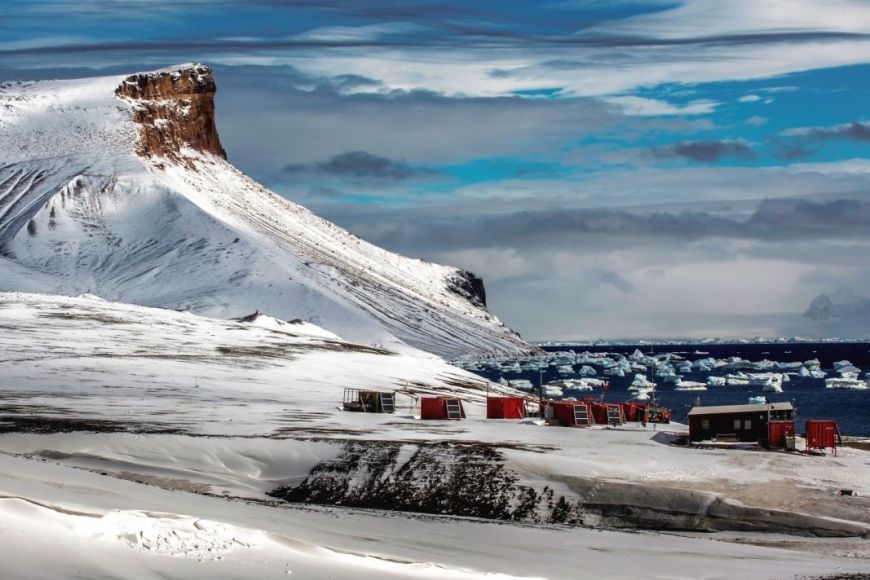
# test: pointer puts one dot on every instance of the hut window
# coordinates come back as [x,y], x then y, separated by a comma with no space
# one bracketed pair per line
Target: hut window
[747,424]
[736,424]
[705,424]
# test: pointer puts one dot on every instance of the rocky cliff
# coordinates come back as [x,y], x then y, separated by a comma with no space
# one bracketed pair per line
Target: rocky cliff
[470,286]
[174,109]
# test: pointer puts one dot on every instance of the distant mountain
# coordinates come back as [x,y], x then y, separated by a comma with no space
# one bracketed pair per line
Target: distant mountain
[119,187]
[839,305]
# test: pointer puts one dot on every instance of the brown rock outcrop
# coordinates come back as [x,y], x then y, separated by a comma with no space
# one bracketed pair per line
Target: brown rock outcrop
[174,109]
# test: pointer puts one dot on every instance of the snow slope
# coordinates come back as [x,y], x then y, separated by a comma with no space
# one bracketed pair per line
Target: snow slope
[155,369]
[85,201]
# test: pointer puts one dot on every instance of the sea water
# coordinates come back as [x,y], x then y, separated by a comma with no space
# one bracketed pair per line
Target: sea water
[850,408]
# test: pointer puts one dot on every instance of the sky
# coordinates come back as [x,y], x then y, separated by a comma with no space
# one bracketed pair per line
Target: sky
[611,168]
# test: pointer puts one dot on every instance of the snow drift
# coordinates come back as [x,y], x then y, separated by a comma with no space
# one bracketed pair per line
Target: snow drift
[119,187]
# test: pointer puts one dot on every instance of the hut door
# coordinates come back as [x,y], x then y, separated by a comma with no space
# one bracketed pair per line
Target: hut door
[581,415]
[387,403]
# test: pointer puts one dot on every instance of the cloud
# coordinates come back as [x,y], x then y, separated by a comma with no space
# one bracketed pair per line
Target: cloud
[791,151]
[632,105]
[706,151]
[613,279]
[842,218]
[756,121]
[857,131]
[325,193]
[858,167]
[639,272]
[749,98]
[453,47]
[773,221]
[269,115]
[700,18]
[360,165]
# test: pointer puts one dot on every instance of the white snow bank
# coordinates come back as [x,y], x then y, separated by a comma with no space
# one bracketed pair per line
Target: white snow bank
[55,519]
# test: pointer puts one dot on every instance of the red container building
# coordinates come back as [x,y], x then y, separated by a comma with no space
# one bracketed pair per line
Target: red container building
[441,408]
[568,413]
[505,408]
[823,434]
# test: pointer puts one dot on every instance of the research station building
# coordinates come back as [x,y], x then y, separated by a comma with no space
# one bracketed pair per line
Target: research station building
[743,423]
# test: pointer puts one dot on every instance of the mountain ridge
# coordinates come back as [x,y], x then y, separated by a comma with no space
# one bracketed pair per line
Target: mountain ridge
[119,187]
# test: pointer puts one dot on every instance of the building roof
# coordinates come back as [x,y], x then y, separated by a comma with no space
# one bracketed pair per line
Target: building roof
[729,409]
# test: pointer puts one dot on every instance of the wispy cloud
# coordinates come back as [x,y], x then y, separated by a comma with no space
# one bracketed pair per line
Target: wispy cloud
[362,166]
[634,105]
[706,151]
[791,151]
[774,220]
[464,48]
[857,131]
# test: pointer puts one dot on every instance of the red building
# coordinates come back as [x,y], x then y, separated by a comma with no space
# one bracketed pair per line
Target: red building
[441,408]
[823,434]
[568,413]
[505,408]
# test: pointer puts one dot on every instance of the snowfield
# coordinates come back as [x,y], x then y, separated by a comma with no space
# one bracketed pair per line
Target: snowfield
[156,369]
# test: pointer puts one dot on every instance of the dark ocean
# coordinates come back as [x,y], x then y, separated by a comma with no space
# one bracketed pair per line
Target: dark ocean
[851,409]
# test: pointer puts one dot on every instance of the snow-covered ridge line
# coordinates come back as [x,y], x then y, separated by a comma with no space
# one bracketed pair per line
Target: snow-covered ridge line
[117,186]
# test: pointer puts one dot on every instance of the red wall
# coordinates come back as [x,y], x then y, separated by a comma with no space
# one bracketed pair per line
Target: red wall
[821,434]
[433,408]
[599,412]
[777,431]
[505,408]
[634,411]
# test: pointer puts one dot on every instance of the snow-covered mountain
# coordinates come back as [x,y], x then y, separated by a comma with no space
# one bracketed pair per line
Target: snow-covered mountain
[119,187]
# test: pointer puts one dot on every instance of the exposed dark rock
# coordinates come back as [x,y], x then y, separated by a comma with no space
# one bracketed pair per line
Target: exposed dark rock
[469,285]
[19,423]
[440,478]
[174,109]
[248,317]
